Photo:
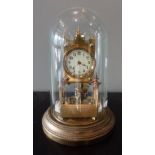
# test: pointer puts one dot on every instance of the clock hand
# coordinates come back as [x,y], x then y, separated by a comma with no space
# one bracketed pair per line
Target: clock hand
[79,63]
[83,64]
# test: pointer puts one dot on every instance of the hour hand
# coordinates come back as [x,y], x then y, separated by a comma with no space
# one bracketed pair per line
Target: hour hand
[80,63]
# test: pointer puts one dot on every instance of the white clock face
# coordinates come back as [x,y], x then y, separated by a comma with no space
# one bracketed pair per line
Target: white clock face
[79,62]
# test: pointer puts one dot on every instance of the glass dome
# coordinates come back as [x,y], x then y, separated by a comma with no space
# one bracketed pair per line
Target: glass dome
[78,66]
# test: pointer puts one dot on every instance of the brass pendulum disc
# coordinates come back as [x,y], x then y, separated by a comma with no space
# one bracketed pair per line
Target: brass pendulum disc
[76,133]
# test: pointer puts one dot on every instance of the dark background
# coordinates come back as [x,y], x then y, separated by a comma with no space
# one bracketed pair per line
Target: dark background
[112,145]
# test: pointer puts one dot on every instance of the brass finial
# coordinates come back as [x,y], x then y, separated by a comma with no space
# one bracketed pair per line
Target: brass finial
[78,31]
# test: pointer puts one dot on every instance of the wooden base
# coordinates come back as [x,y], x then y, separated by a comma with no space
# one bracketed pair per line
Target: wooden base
[77,133]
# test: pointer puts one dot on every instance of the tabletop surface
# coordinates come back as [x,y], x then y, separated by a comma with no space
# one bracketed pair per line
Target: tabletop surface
[112,145]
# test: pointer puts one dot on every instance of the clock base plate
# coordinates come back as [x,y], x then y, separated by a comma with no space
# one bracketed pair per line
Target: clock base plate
[77,134]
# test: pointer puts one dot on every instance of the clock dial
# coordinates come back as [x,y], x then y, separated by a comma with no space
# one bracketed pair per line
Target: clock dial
[79,62]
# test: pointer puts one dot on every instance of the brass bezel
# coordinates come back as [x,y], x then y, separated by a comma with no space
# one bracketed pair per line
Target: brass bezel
[87,74]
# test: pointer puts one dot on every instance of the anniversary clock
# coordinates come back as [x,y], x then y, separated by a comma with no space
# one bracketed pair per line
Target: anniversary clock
[78,113]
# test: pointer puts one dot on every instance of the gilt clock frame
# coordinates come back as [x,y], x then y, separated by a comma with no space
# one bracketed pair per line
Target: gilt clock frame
[79,43]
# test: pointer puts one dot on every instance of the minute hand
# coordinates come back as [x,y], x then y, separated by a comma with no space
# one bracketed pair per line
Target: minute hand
[83,64]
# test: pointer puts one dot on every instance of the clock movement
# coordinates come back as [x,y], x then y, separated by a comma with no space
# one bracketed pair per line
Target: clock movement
[78,113]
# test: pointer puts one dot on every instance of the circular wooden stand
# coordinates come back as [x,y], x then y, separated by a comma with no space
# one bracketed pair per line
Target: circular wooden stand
[74,133]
